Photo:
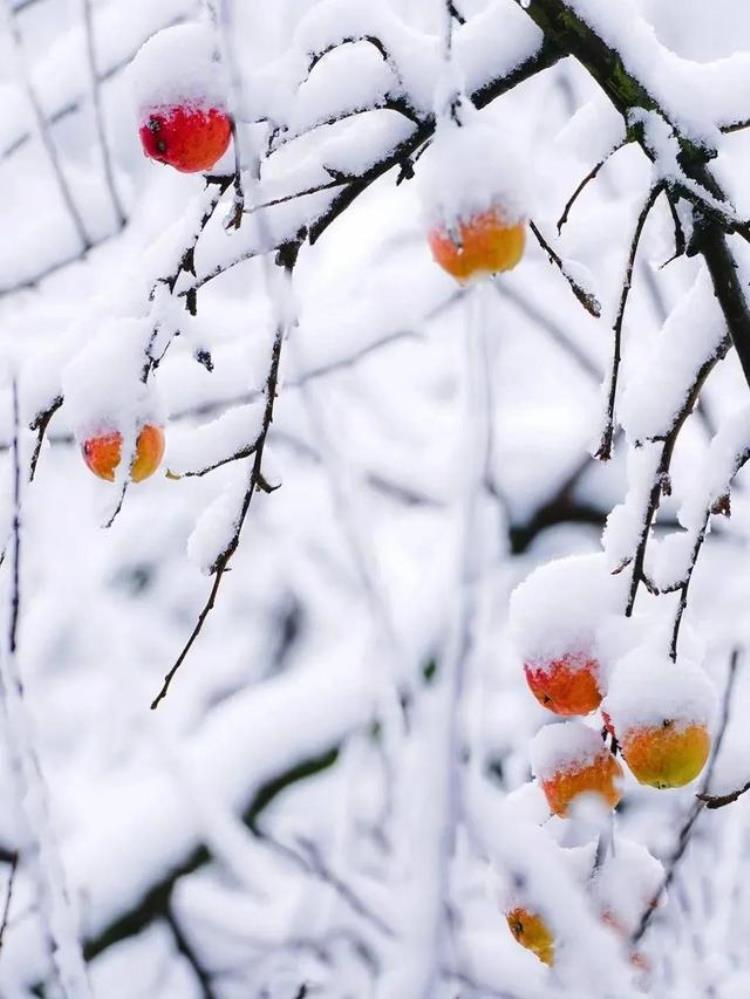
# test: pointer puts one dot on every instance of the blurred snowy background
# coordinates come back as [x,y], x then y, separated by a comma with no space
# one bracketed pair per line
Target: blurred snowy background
[273,829]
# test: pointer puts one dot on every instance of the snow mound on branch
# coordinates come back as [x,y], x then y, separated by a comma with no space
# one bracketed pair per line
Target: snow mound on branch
[469,170]
[693,334]
[102,384]
[232,433]
[566,746]
[647,689]
[558,610]
[726,454]
[179,65]
[626,883]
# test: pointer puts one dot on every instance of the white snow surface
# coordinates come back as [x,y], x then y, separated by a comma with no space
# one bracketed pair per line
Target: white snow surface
[726,453]
[102,384]
[646,688]
[564,746]
[559,608]
[692,334]
[626,883]
[179,65]
[469,170]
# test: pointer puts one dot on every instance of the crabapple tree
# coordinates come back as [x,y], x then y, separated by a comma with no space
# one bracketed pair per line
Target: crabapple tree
[396,646]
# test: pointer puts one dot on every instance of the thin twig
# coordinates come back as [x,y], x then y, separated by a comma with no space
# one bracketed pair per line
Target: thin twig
[43,131]
[685,586]
[454,12]
[221,564]
[680,243]
[604,452]
[8,898]
[96,99]
[297,194]
[587,300]
[182,944]
[197,473]
[591,175]
[40,424]
[661,476]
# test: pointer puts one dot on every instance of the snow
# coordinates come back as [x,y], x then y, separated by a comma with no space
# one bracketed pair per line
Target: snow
[654,393]
[470,170]
[216,441]
[646,688]
[625,522]
[557,611]
[330,629]
[694,96]
[493,43]
[726,453]
[178,66]
[567,746]
[626,883]
[102,384]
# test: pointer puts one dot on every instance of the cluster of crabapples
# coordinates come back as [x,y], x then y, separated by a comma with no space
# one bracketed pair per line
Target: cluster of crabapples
[183,122]
[581,655]
[475,215]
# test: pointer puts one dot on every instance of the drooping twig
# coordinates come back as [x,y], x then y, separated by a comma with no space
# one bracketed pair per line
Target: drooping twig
[43,130]
[702,800]
[454,12]
[685,586]
[202,977]
[40,424]
[680,243]
[8,898]
[96,99]
[660,481]
[591,175]
[587,300]
[256,479]
[604,452]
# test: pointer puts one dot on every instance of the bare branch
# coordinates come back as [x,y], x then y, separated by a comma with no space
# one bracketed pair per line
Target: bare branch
[591,175]
[661,476]
[221,564]
[680,243]
[40,423]
[8,898]
[587,300]
[685,586]
[202,977]
[604,452]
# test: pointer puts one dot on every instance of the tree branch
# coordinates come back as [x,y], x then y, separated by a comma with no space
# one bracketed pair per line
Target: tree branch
[604,452]
[256,481]
[587,300]
[591,175]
